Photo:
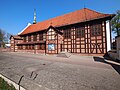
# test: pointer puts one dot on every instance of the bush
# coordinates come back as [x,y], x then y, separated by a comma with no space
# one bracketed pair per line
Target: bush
[5,86]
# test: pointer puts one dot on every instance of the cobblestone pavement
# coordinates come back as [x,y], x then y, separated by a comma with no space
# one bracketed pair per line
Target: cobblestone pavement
[48,72]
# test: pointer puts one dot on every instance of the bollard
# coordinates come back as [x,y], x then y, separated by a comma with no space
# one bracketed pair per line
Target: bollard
[20,81]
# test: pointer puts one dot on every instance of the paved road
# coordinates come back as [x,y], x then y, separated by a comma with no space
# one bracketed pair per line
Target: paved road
[47,72]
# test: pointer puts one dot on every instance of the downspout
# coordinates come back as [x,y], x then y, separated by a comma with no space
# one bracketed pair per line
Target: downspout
[57,43]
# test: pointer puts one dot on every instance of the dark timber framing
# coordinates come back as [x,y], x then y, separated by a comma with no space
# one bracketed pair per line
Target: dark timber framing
[85,37]
[77,38]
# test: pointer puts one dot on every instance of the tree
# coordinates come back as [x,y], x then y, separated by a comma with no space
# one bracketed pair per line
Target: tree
[116,23]
[2,34]
[4,38]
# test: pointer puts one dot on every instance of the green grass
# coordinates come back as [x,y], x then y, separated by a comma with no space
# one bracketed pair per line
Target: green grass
[5,86]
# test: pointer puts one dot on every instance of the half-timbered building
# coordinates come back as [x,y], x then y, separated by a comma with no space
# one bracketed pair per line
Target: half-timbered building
[83,31]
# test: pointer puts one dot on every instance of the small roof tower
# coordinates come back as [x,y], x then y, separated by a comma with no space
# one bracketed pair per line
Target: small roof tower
[34,22]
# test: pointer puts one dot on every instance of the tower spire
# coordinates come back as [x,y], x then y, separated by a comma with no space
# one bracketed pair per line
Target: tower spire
[34,22]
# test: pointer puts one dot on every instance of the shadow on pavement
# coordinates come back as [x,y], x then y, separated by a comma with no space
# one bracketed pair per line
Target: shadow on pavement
[102,60]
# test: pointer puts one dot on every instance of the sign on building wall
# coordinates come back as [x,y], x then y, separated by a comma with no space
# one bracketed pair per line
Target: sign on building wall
[51,46]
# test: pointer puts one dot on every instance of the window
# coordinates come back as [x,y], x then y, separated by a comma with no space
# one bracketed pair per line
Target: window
[29,38]
[20,47]
[80,32]
[41,36]
[41,46]
[96,29]
[44,36]
[32,47]
[35,37]
[29,47]
[24,39]
[26,47]
[67,33]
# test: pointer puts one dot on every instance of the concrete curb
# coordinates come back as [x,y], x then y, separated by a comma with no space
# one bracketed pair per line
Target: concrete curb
[11,82]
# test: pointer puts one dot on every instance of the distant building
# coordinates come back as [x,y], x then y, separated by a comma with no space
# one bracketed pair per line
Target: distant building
[84,31]
[14,40]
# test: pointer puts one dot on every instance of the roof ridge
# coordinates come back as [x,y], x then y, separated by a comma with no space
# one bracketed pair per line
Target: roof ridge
[96,11]
[64,14]
[72,12]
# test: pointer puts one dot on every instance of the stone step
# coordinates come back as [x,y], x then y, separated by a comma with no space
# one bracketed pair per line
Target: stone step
[64,54]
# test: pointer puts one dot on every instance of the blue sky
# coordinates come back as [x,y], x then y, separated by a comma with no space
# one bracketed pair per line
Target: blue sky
[15,14]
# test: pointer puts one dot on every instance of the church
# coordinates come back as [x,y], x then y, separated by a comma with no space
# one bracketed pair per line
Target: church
[84,31]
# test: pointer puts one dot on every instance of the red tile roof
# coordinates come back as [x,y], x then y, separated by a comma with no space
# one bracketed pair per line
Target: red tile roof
[78,16]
